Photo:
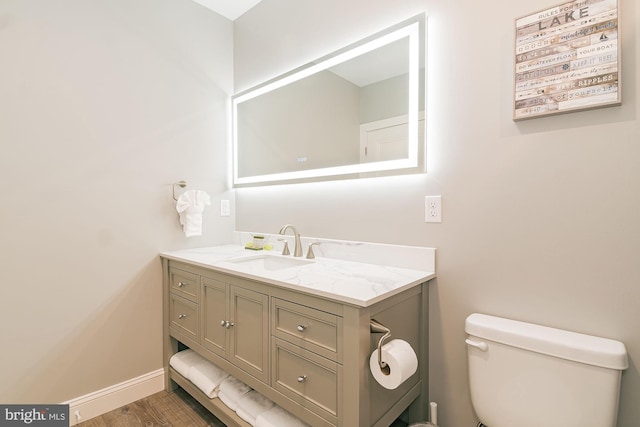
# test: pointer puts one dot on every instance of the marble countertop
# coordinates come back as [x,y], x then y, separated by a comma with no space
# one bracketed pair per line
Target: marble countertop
[357,283]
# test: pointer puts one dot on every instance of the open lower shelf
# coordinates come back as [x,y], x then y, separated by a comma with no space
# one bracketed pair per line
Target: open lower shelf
[215,406]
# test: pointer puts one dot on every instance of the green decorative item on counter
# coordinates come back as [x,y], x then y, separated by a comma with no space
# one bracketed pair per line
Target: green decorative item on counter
[258,244]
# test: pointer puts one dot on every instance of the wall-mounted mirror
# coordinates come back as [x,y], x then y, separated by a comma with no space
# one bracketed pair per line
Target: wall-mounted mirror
[352,113]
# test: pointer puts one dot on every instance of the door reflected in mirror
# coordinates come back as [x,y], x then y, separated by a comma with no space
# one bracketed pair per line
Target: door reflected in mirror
[354,112]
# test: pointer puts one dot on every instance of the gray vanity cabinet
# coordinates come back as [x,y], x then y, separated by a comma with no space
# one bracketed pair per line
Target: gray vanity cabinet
[306,352]
[235,325]
[183,304]
[309,354]
[215,300]
[249,335]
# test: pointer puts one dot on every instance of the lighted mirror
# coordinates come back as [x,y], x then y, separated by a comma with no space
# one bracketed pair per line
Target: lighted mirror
[354,113]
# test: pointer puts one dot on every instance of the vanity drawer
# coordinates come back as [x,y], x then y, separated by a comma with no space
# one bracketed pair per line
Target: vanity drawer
[308,379]
[306,327]
[183,315]
[184,284]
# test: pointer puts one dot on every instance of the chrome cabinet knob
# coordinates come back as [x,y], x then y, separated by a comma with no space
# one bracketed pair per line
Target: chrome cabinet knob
[226,324]
[302,378]
[181,316]
[181,285]
[301,328]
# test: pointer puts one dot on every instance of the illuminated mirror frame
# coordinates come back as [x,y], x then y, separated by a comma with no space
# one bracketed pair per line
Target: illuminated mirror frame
[415,31]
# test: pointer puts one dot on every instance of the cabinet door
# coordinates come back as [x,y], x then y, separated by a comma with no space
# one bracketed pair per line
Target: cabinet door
[214,314]
[249,344]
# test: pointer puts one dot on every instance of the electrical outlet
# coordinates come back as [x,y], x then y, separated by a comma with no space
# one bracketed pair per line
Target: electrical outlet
[225,208]
[433,209]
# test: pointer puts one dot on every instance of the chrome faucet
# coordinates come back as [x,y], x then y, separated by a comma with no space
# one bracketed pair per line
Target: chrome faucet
[298,248]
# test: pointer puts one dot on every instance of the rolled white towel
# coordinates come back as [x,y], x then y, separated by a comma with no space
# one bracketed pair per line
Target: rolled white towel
[183,360]
[251,405]
[231,390]
[207,377]
[278,417]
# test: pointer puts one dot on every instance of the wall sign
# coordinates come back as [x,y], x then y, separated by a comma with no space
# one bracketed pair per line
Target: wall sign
[567,58]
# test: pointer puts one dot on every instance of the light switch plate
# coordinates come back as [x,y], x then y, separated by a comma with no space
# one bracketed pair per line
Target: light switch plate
[225,208]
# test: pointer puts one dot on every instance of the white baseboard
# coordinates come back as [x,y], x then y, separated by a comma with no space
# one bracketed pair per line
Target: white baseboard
[102,401]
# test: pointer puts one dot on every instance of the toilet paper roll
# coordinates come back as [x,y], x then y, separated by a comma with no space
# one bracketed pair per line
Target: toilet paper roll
[401,360]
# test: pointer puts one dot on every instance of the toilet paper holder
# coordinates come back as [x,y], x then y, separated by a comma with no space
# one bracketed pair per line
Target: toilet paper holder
[378,328]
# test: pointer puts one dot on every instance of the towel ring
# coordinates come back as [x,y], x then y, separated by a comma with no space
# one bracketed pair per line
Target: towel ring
[380,328]
[181,184]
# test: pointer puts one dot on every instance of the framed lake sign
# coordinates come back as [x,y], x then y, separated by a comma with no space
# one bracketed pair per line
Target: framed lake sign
[567,58]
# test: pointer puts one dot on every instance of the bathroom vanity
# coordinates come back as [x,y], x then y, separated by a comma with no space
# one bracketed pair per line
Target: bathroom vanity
[296,330]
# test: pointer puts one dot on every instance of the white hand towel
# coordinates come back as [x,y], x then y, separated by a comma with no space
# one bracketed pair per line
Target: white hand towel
[207,377]
[183,360]
[278,417]
[251,405]
[190,206]
[231,390]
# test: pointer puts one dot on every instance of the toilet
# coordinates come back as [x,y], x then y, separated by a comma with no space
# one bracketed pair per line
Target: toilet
[526,375]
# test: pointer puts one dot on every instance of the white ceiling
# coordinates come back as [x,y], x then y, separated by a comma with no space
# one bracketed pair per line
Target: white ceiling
[384,63]
[231,9]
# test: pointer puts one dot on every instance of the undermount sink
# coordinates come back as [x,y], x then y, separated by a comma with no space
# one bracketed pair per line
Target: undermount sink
[270,262]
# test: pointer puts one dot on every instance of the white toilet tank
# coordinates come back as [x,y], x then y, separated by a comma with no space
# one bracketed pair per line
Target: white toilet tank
[526,375]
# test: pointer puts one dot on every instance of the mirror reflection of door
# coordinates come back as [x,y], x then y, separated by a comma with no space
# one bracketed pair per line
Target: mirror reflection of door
[386,139]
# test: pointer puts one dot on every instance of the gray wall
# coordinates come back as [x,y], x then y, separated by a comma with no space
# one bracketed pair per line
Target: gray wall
[384,99]
[103,105]
[541,219]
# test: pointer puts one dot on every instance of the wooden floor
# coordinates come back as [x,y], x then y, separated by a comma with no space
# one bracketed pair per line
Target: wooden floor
[174,409]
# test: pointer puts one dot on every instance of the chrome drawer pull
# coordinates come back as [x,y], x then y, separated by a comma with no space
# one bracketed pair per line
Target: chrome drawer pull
[301,328]
[181,316]
[226,324]
[302,378]
[181,285]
